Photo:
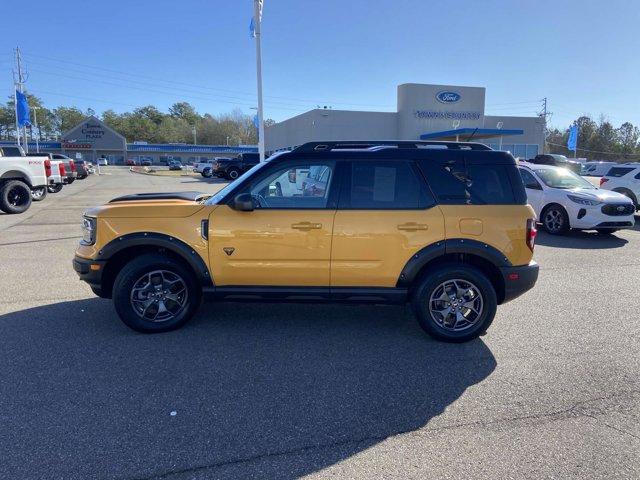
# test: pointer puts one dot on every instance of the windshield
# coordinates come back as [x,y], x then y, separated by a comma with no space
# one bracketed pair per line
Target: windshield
[222,193]
[562,178]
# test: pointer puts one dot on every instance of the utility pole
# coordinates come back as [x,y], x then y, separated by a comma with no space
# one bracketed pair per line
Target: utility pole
[543,114]
[193,130]
[19,85]
[257,18]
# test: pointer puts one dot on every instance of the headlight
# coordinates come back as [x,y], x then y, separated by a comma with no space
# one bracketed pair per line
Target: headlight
[88,230]
[583,201]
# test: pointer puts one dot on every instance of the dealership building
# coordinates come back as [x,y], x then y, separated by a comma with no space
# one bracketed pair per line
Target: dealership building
[424,112]
[92,139]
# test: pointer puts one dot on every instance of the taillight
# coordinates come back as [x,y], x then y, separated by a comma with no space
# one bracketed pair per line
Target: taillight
[47,168]
[61,169]
[72,165]
[603,180]
[532,232]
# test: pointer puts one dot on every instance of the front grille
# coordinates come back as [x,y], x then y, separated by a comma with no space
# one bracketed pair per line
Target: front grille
[618,209]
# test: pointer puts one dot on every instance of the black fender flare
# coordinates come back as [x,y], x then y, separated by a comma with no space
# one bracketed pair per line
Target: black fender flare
[160,240]
[444,247]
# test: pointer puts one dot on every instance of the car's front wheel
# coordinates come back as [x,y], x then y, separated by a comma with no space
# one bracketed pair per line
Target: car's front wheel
[454,303]
[54,188]
[555,220]
[207,173]
[155,293]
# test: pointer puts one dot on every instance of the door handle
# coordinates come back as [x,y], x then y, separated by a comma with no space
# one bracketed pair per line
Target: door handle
[306,226]
[412,226]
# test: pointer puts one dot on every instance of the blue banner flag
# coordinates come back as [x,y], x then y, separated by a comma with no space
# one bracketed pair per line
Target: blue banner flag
[252,29]
[572,142]
[22,109]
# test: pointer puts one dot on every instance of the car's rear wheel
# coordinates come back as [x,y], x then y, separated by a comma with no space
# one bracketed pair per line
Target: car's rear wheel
[155,293]
[233,173]
[15,196]
[454,303]
[70,180]
[555,219]
[207,173]
[54,188]
[38,194]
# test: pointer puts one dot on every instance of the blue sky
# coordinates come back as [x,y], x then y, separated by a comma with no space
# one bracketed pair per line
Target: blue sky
[350,54]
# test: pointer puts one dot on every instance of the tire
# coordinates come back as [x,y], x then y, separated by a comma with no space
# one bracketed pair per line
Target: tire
[39,194]
[629,194]
[207,173]
[555,220]
[54,188]
[233,173]
[142,271]
[15,196]
[478,304]
[70,180]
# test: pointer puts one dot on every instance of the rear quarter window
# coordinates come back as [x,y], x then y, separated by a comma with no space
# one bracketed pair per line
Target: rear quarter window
[619,171]
[477,184]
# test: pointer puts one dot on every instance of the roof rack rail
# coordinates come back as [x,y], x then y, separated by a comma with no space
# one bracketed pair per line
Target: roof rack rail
[367,144]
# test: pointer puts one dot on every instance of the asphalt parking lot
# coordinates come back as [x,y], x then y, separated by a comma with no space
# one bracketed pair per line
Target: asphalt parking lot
[327,391]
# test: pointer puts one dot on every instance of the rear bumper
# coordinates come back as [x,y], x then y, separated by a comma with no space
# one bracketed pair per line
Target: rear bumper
[518,280]
[89,271]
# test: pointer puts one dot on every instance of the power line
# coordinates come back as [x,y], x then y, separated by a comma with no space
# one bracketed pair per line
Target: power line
[155,79]
[146,89]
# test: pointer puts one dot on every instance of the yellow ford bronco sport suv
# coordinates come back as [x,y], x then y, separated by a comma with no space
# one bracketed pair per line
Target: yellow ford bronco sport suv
[443,226]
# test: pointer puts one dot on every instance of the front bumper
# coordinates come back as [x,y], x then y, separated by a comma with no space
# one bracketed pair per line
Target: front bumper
[587,217]
[90,271]
[517,280]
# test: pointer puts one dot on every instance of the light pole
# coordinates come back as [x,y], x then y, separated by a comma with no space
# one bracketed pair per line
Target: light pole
[193,130]
[499,127]
[35,122]
[257,18]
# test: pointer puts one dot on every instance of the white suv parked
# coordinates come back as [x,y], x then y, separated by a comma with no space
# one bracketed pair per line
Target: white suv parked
[624,179]
[563,200]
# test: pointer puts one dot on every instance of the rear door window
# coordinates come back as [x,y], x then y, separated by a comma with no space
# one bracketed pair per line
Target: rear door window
[619,171]
[385,185]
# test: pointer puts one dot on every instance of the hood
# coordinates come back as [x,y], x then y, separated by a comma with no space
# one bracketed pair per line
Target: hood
[151,205]
[606,196]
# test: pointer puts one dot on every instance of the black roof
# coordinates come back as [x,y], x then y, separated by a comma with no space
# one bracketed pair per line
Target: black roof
[432,151]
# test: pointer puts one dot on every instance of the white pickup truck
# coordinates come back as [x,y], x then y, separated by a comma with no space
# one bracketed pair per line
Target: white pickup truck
[206,168]
[18,176]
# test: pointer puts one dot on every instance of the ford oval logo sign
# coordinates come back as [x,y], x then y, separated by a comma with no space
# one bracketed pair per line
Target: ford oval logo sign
[448,97]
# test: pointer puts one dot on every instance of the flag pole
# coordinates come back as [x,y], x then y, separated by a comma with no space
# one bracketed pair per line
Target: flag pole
[257,18]
[15,109]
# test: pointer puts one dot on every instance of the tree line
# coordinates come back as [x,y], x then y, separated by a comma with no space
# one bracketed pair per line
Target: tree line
[596,140]
[146,124]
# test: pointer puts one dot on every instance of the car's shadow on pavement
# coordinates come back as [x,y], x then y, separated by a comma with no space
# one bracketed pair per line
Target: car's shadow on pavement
[243,391]
[581,239]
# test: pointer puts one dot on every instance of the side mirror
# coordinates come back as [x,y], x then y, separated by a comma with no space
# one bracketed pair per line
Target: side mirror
[533,186]
[243,202]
